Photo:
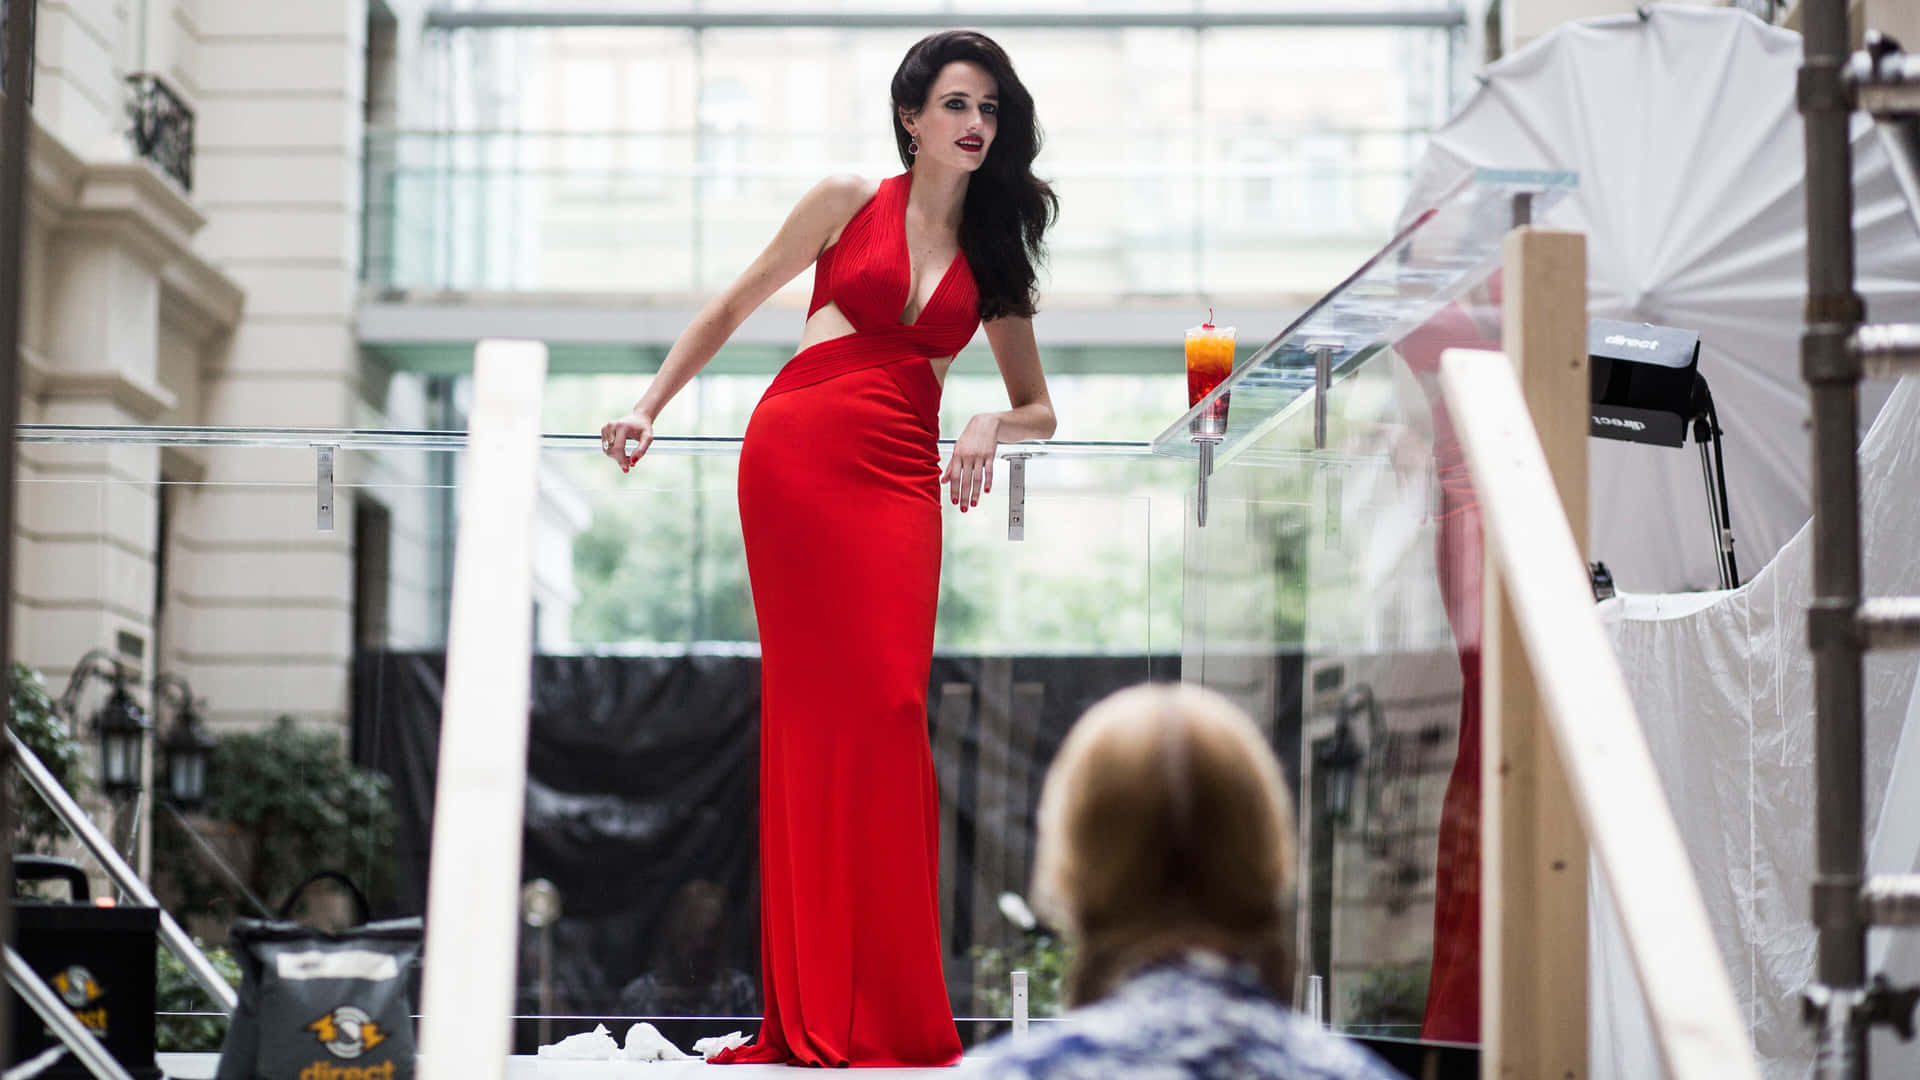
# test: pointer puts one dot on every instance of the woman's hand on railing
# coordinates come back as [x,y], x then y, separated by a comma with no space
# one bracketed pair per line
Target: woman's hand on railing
[615,434]
[970,469]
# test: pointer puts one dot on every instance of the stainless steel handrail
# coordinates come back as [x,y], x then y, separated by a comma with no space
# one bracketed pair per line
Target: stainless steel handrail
[447,441]
[76,819]
[47,1005]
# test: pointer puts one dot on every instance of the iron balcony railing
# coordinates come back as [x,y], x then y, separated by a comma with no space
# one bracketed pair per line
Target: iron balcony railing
[160,126]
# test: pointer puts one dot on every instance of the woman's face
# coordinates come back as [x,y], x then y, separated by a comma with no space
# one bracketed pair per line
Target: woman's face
[957,125]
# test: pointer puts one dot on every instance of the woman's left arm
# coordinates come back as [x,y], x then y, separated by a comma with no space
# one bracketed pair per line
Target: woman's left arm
[971,469]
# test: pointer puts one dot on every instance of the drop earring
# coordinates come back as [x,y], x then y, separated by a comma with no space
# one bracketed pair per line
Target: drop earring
[913,145]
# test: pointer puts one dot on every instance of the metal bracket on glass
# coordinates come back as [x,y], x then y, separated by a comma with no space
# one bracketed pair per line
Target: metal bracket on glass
[1017,496]
[54,1013]
[1019,999]
[323,487]
[1207,430]
[1205,443]
[1322,382]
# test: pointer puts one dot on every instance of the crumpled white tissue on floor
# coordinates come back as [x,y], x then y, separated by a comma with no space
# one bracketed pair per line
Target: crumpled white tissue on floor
[713,1044]
[595,1045]
[645,1043]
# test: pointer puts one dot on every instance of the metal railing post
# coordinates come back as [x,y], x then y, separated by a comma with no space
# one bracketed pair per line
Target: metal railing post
[89,835]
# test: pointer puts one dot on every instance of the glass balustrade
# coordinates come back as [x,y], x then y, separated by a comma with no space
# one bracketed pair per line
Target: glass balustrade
[641,805]
[1332,590]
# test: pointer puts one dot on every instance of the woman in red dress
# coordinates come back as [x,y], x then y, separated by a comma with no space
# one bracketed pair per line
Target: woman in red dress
[839,491]
[1453,983]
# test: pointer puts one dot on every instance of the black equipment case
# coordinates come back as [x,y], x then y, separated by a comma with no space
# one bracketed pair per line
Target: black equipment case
[100,960]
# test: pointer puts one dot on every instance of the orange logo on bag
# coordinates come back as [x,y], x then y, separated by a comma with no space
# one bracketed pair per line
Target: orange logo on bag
[347,1032]
[326,1070]
[79,989]
[77,986]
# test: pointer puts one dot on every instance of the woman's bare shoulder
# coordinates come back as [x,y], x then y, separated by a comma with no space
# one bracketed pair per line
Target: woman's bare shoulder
[847,190]
[836,199]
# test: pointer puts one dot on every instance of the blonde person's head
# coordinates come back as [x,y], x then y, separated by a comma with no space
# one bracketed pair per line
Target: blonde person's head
[1164,825]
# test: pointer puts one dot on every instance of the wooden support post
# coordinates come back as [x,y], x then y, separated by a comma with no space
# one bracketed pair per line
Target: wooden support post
[1533,907]
[473,883]
[1697,1025]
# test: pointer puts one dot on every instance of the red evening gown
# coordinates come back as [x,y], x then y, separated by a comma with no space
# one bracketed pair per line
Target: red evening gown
[839,494]
[1453,985]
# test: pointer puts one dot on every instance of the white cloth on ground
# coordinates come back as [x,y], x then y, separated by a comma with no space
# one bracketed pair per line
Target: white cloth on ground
[713,1044]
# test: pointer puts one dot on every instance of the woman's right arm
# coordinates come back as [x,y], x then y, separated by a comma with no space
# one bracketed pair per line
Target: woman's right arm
[815,218]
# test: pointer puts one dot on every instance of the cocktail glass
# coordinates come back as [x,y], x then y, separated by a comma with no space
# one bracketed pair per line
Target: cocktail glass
[1209,362]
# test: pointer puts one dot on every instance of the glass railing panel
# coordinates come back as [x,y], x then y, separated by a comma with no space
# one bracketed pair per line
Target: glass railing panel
[214,587]
[1431,262]
[1334,591]
[644,740]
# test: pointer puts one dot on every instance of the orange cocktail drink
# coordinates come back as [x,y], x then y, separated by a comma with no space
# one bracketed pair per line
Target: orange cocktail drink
[1209,362]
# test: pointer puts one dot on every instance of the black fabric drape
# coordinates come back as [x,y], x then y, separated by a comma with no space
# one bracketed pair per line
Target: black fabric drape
[642,803]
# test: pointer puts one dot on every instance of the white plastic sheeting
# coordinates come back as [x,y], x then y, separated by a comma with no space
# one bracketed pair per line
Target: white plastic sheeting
[1685,134]
[1723,684]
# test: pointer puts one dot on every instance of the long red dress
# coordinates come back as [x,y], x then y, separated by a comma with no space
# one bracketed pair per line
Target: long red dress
[1453,985]
[839,494]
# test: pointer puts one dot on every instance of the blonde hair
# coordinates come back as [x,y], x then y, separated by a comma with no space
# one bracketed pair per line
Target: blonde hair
[1165,825]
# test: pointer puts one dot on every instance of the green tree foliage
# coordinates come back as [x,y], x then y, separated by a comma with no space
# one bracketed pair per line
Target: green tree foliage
[175,991]
[662,562]
[301,805]
[1393,995]
[32,716]
[1043,957]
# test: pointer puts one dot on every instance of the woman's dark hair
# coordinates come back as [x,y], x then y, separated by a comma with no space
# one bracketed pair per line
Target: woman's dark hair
[1008,209]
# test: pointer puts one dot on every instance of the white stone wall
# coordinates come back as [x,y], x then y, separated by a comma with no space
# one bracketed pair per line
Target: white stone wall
[228,305]
[259,605]
[115,304]
[1899,18]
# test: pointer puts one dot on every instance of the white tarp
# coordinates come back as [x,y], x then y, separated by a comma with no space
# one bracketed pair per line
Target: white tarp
[1723,684]
[1684,131]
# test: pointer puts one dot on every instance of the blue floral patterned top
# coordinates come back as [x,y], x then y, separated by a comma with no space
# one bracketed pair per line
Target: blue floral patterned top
[1197,1017]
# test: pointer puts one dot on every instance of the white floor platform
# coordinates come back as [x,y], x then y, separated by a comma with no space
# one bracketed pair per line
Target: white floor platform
[528,1067]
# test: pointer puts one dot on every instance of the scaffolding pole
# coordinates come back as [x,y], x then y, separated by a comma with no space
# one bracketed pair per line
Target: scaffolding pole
[1837,1002]
[14,120]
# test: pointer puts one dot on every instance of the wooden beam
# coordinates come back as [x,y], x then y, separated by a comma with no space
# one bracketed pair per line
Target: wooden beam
[1591,727]
[473,882]
[1533,899]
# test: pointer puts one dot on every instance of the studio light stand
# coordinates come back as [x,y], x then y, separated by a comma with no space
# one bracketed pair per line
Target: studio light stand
[1647,388]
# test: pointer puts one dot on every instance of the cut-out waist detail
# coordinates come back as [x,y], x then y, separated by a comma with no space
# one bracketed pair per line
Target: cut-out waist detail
[827,324]
[851,352]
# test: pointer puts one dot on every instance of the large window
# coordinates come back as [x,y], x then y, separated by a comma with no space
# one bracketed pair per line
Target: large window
[1188,160]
